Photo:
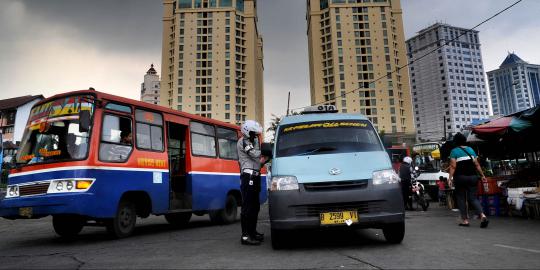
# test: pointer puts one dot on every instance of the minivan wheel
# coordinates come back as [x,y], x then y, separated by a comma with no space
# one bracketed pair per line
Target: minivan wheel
[394,233]
[279,238]
[178,219]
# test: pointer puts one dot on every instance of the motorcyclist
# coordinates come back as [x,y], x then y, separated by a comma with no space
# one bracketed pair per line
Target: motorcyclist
[405,171]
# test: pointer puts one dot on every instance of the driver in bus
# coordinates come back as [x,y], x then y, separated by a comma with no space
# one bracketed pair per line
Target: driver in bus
[251,161]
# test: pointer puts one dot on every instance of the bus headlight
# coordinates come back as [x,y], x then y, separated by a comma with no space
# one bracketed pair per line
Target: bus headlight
[284,183]
[71,185]
[385,177]
[12,191]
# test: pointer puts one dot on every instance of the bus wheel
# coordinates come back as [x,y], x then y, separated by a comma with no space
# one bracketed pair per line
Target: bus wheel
[68,225]
[394,232]
[178,219]
[228,214]
[123,224]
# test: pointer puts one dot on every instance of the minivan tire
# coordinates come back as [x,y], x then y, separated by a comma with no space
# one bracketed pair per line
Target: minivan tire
[279,238]
[228,214]
[394,233]
[68,225]
[178,219]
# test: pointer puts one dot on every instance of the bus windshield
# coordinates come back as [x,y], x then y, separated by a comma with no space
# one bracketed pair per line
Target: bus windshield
[427,157]
[52,132]
[327,137]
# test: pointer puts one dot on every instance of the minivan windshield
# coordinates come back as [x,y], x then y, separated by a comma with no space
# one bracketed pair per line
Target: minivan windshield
[327,137]
[52,132]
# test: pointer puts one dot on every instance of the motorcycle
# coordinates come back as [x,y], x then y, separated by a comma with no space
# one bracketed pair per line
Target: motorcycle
[419,194]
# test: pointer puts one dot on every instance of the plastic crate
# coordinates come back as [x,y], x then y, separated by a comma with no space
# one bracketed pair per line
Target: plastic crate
[491,185]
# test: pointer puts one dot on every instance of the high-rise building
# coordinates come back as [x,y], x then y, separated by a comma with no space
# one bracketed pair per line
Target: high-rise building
[515,86]
[359,44]
[150,86]
[212,61]
[448,85]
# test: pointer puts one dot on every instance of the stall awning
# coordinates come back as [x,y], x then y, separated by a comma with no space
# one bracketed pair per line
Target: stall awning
[502,125]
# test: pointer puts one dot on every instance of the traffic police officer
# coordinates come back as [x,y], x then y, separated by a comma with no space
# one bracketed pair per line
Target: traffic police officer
[250,159]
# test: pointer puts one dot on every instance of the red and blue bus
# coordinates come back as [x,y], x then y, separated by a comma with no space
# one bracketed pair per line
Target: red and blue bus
[91,158]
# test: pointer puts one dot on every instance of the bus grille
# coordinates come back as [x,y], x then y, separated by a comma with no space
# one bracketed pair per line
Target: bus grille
[315,209]
[338,185]
[34,189]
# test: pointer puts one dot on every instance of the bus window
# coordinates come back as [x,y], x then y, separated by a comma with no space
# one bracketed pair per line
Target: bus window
[112,148]
[149,130]
[227,140]
[203,140]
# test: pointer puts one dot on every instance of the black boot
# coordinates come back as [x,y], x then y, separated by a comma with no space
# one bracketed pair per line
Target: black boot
[248,240]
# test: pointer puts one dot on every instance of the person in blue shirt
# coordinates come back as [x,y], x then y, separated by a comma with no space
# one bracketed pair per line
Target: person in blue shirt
[463,175]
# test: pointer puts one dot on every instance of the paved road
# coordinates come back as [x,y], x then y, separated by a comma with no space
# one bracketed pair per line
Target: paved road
[433,240]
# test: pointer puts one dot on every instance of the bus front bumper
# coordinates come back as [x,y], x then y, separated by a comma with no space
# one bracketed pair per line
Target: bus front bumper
[48,204]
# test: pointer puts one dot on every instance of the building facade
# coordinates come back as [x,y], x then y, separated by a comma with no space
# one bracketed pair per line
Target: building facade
[448,85]
[515,86]
[150,87]
[212,61]
[14,113]
[359,45]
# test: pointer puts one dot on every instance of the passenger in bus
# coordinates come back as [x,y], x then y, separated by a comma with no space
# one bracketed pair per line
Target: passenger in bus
[251,160]
[126,137]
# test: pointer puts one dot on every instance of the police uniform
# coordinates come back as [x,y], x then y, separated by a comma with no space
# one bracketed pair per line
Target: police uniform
[250,177]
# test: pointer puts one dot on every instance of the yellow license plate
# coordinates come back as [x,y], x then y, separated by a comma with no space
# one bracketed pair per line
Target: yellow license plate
[26,212]
[345,217]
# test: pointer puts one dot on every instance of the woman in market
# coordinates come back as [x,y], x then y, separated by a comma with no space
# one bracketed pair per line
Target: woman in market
[463,175]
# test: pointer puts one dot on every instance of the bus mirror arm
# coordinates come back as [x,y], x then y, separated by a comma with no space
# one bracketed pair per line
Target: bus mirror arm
[84,121]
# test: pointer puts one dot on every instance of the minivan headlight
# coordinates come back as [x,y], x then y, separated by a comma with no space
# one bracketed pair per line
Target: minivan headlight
[385,177]
[284,183]
[12,191]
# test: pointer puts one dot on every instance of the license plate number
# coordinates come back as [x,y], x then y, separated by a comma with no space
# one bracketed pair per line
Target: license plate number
[344,217]
[26,212]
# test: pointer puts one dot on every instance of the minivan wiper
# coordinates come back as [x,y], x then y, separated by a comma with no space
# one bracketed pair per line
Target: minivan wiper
[319,149]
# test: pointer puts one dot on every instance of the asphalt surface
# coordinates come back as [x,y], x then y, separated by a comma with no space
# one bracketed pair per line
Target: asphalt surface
[432,241]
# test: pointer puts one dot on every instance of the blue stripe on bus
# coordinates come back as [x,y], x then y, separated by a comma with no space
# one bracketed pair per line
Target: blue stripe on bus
[208,191]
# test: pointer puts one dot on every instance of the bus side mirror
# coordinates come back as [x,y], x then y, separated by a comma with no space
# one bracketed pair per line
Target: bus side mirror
[266,149]
[84,121]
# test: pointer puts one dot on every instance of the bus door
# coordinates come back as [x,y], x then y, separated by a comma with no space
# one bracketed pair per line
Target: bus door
[179,195]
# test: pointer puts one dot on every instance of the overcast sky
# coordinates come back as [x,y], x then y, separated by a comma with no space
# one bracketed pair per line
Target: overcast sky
[53,46]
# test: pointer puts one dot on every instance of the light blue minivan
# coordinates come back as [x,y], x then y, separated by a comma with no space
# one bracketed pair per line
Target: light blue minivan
[331,170]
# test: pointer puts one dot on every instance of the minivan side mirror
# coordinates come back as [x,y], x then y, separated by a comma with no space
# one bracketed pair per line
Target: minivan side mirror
[267,149]
[84,121]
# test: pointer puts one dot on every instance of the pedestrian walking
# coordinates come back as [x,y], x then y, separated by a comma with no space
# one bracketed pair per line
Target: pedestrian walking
[251,160]
[463,168]
[405,171]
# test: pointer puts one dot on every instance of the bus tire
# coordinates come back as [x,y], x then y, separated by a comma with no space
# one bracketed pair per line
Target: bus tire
[394,233]
[123,224]
[68,225]
[178,219]
[228,214]
[279,238]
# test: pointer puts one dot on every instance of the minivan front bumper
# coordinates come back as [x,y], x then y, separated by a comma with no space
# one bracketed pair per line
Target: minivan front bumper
[300,209]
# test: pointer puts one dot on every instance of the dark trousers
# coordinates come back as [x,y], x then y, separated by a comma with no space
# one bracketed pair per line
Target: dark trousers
[406,191]
[466,187]
[250,188]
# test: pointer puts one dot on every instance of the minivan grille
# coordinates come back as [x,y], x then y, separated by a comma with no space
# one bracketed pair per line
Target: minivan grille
[34,189]
[337,185]
[315,209]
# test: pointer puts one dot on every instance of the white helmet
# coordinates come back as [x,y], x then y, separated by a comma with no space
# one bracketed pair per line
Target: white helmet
[251,126]
[407,160]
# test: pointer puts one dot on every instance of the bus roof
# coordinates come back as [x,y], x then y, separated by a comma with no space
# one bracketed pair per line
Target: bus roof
[102,95]
[293,119]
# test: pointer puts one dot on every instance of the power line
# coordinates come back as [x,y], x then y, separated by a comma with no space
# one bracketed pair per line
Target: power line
[421,57]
